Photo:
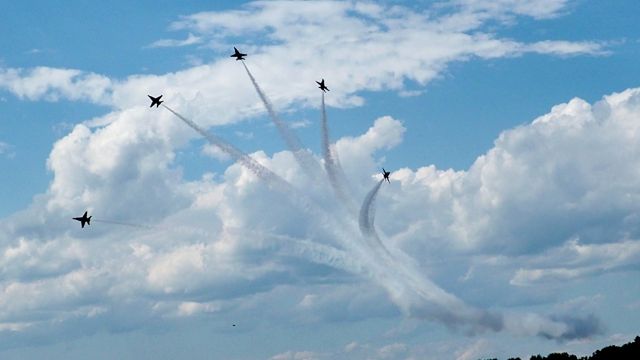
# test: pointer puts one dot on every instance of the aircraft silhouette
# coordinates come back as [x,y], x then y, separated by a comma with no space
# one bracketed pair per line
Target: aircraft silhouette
[237,54]
[385,175]
[84,219]
[155,100]
[322,87]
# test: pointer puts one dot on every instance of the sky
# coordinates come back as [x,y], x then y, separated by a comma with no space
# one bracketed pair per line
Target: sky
[223,230]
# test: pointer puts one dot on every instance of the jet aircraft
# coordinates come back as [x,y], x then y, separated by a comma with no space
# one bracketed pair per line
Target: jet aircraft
[84,219]
[237,54]
[322,87]
[155,100]
[385,175]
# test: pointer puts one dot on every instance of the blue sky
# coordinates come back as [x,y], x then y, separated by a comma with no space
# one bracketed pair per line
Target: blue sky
[513,174]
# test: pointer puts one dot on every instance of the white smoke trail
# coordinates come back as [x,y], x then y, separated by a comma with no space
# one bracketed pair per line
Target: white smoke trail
[391,275]
[259,170]
[115,222]
[414,294]
[336,176]
[306,161]
[273,180]
[428,299]
[367,211]
[306,248]
[366,223]
[340,229]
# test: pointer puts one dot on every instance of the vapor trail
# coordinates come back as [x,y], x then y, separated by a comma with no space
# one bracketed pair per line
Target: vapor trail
[406,286]
[259,170]
[367,211]
[302,156]
[337,226]
[439,303]
[181,228]
[273,180]
[140,226]
[307,248]
[336,176]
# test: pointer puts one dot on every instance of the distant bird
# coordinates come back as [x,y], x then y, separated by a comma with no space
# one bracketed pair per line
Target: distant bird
[385,175]
[155,100]
[84,219]
[322,87]
[237,54]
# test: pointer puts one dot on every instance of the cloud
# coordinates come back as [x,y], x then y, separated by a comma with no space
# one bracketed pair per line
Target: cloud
[92,273]
[392,351]
[574,260]
[401,46]
[185,249]
[190,40]
[53,84]
[6,150]
[215,152]
[297,355]
[539,9]
[566,48]
[554,171]
[475,351]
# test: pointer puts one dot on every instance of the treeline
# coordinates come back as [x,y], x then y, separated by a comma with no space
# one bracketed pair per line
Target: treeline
[630,351]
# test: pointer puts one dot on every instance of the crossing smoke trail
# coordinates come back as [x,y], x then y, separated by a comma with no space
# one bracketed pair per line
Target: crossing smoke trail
[273,180]
[428,299]
[416,295]
[318,253]
[332,166]
[401,283]
[302,156]
[421,297]
[350,240]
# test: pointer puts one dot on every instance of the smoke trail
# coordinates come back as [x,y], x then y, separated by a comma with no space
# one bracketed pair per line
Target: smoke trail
[179,228]
[439,304]
[262,172]
[302,156]
[140,226]
[274,181]
[367,211]
[307,248]
[406,286]
[366,223]
[334,171]
[336,226]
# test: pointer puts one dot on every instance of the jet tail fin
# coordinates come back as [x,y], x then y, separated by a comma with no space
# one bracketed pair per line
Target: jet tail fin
[89,220]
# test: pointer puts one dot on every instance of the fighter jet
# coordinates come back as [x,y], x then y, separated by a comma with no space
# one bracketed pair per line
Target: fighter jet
[84,219]
[322,87]
[237,54]
[385,175]
[155,100]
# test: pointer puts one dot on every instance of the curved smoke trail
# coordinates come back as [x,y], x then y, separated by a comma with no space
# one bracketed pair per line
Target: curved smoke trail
[306,161]
[415,294]
[331,164]
[404,283]
[367,211]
